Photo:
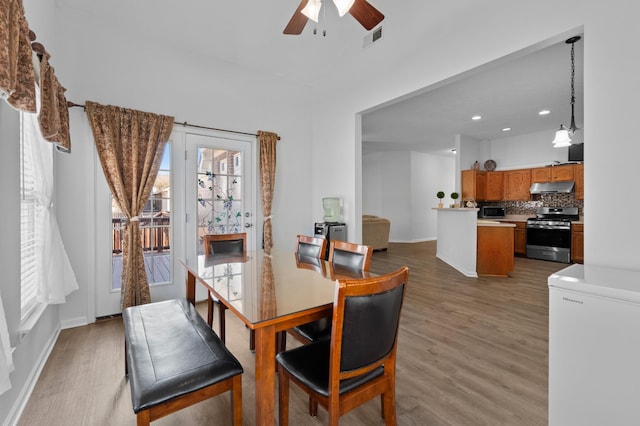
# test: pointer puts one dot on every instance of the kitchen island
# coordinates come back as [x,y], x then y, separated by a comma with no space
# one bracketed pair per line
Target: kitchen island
[474,247]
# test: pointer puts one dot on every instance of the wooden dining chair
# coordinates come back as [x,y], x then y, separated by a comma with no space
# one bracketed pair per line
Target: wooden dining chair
[350,255]
[358,362]
[310,246]
[222,245]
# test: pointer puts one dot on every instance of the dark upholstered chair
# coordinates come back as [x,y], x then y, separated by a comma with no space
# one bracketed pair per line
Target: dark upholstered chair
[358,362]
[222,246]
[346,260]
[310,246]
[350,255]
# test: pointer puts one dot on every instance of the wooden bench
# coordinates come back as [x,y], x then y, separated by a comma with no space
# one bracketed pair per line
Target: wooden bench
[174,360]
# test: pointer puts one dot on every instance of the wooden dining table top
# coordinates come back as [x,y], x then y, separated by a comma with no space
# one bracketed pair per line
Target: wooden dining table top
[261,289]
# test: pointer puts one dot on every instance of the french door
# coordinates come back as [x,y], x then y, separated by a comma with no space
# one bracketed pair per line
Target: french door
[219,190]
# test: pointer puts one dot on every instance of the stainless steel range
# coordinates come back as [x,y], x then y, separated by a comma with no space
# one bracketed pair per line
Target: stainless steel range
[549,233]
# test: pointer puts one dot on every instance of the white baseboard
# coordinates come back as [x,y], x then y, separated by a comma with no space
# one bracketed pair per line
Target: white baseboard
[25,393]
[74,322]
[419,240]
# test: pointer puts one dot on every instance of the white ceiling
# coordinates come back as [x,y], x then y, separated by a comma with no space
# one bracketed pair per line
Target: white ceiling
[508,92]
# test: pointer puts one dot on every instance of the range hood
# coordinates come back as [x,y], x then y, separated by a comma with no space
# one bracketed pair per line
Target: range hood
[552,187]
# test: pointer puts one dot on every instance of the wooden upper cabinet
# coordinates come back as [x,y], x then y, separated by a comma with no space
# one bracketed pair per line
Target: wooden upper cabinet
[562,173]
[553,174]
[578,175]
[541,174]
[474,184]
[517,184]
[495,183]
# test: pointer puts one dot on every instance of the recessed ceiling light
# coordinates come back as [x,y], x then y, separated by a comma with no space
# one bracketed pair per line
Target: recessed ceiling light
[476,117]
[544,112]
[506,129]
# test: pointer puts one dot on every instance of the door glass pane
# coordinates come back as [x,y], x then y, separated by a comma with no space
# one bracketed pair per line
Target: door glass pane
[155,229]
[219,189]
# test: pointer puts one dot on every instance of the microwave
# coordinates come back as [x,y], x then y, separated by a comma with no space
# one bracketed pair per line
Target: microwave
[486,212]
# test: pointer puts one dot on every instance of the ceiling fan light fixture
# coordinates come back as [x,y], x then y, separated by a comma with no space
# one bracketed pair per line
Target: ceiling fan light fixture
[562,138]
[312,10]
[343,6]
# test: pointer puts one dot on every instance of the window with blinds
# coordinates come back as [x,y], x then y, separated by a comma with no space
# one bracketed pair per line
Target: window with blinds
[28,247]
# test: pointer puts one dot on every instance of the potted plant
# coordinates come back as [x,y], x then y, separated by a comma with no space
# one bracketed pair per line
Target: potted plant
[454,197]
[440,196]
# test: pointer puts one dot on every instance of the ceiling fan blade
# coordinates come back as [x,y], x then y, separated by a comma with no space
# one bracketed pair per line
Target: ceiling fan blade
[298,20]
[367,15]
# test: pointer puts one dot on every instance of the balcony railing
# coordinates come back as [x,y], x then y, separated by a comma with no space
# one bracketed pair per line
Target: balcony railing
[154,238]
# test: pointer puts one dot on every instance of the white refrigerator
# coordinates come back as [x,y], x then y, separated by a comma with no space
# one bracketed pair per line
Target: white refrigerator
[594,347]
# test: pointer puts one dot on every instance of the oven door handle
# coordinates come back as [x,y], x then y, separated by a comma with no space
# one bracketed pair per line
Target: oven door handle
[548,227]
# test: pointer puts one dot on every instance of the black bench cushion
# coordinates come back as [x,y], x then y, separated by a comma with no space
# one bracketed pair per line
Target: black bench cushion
[171,352]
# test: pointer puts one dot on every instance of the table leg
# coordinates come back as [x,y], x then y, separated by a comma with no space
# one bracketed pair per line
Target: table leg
[191,288]
[265,375]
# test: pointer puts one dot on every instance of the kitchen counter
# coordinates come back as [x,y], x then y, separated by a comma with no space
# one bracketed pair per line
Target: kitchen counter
[474,246]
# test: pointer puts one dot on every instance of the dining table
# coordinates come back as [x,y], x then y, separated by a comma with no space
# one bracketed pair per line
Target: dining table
[270,293]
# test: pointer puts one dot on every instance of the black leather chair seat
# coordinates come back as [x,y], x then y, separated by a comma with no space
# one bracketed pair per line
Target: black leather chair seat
[316,330]
[171,351]
[310,364]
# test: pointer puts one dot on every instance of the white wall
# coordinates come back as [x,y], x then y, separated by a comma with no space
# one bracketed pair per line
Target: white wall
[401,186]
[429,174]
[530,150]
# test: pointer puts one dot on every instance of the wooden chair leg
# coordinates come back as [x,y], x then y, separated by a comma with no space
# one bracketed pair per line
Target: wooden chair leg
[389,407]
[252,340]
[210,311]
[281,342]
[313,407]
[236,400]
[221,316]
[283,397]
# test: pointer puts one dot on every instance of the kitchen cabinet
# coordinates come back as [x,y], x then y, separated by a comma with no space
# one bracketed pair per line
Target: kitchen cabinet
[517,184]
[519,237]
[553,173]
[541,174]
[577,242]
[474,184]
[578,174]
[495,183]
[495,250]
[562,173]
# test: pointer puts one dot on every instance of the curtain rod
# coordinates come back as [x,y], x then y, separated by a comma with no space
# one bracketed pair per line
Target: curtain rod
[184,123]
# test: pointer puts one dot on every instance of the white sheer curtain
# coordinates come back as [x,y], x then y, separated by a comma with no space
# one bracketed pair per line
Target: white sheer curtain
[6,360]
[53,262]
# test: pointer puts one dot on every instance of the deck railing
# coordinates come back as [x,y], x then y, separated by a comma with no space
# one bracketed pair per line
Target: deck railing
[154,238]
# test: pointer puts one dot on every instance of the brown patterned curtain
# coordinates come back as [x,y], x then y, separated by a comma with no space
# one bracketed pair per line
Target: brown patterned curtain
[53,116]
[130,144]
[18,77]
[267,141]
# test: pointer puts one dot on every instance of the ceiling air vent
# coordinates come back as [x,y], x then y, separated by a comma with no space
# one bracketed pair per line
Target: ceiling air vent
[372,37]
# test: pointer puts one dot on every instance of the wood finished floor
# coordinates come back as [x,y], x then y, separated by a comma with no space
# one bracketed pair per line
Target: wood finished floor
[471,351]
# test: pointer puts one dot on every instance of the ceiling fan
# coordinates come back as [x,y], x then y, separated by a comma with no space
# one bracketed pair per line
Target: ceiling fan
[367,15]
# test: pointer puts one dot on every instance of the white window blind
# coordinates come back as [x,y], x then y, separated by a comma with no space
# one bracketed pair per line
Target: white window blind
[28,248]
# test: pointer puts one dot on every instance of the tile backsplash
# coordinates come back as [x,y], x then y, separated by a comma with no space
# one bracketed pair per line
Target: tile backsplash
[539,200]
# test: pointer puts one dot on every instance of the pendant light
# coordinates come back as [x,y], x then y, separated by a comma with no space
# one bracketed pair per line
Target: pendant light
[563,135]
